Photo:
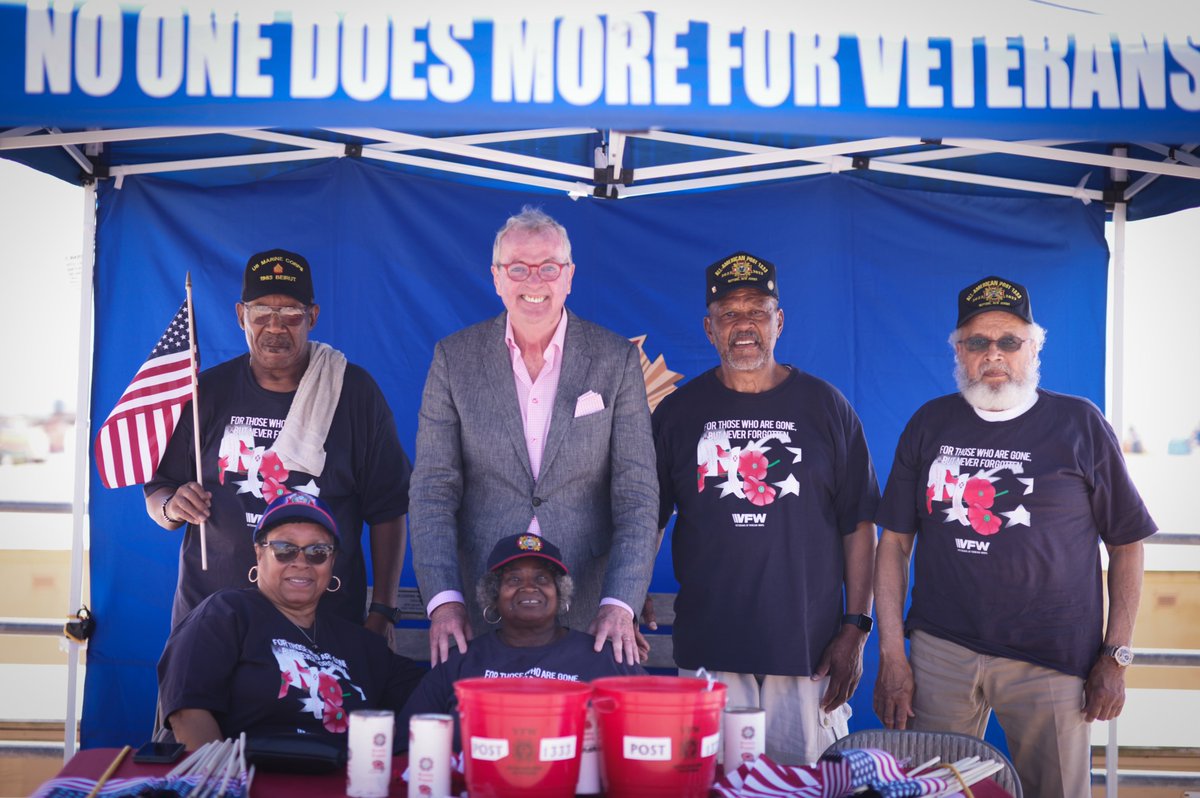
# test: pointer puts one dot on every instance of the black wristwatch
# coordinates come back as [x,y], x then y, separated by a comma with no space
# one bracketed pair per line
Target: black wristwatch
[391,613]
[863,622]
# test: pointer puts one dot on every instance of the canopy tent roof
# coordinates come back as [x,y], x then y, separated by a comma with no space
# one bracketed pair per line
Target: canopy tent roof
[622,101]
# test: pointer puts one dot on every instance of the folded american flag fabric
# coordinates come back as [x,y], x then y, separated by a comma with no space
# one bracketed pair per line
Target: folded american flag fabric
[136,787]
[838,774]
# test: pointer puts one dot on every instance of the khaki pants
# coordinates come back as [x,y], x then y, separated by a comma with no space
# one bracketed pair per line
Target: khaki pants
[798,732]
[1040,710]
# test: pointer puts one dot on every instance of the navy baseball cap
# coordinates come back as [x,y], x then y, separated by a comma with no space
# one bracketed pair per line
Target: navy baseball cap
[277,271]
[293,507]
[739,270]
[994,293]
[514,547]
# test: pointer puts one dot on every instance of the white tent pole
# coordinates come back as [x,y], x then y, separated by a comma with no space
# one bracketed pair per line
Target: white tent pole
[1116,412]
[1117,409]
[83,394]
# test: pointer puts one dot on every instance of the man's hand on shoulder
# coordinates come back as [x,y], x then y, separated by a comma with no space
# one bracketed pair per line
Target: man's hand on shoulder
[894,689]
[446,621]
[616,624]
[842,663]
[1104,690]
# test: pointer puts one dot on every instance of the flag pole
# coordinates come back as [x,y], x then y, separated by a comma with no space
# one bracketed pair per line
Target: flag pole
[196,413]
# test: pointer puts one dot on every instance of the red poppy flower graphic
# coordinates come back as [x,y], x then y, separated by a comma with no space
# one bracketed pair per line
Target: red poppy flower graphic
[272,466]
[983,520]
[928,502]
[334,719]
[285,681]
[950,480]
[752,465]
[273,489]
[701,473]
[222,464]
[329,689]
[979,493]
[758,492]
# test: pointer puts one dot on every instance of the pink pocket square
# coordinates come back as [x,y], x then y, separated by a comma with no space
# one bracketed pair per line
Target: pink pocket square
[588,403]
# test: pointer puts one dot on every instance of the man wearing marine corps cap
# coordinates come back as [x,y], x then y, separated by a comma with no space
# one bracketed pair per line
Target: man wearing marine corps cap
[1011,489]
[291,415]
[769,469]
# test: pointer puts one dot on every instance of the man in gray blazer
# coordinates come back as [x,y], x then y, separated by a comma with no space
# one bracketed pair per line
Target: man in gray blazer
[535,421]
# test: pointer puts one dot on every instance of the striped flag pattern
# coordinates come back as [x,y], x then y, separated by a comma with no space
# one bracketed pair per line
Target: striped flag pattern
[838,774]
[132,440]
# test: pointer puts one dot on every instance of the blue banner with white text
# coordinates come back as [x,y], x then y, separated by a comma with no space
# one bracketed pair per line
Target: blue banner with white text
[459,67]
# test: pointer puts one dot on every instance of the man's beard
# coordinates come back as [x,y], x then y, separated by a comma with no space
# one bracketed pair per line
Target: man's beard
[1004,396]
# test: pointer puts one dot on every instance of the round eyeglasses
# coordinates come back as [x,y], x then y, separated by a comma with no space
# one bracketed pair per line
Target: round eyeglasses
[1005,343]
[519,272]
[314,553]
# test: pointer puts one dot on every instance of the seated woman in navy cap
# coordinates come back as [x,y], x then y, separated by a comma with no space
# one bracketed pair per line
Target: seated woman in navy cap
[261,660]
[526,588]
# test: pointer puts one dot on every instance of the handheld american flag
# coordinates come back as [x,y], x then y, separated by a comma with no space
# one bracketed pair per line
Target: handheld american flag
[132,440]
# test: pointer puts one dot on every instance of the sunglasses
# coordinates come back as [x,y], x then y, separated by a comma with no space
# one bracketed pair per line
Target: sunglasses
[1007,343]
[314,553]
[290,316]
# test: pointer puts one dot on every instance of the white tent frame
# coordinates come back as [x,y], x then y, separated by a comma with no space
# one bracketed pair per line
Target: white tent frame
[392,146]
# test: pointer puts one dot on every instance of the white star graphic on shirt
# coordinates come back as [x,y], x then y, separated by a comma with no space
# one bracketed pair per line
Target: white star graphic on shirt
[731,485]
[314,705]
[310,488]
[1028,483]
[244,486]
[789,485]
[795,450]
[956,512]
[1017,516]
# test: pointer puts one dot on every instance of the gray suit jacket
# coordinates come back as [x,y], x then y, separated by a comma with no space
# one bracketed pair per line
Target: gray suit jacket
[597,498]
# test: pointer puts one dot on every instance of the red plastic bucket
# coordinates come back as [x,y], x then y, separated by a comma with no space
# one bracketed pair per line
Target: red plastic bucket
[522,737]
[659,735]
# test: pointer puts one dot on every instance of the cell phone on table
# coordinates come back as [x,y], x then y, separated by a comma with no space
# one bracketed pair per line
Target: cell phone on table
[153,753]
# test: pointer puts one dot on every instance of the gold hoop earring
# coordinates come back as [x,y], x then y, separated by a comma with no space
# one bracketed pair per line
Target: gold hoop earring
[337,588]
[252,574]
[485,614]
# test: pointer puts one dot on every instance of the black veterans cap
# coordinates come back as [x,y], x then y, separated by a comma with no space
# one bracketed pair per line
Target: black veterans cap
[994,293]
[740,270]
[514,547]
[278,271]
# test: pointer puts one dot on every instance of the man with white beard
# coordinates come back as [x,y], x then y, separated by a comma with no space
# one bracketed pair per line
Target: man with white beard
[1011,489]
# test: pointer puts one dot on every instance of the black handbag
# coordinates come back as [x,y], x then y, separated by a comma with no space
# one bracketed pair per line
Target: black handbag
[294,753]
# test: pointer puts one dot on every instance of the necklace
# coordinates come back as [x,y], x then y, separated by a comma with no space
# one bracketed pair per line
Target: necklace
[311,638]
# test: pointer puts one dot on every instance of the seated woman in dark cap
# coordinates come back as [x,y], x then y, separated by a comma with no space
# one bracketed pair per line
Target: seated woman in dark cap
[526,588]
[263,661]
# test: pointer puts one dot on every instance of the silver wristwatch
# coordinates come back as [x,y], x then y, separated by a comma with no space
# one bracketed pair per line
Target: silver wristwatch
[1122,654]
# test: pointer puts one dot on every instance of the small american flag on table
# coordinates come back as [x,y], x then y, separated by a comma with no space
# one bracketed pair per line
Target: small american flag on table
[132,440]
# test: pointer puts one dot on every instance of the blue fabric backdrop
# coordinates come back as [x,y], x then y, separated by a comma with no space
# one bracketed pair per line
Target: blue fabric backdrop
[868,277]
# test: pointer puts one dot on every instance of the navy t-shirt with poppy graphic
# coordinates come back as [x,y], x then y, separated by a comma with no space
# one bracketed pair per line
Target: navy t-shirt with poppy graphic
[364,479]
[1009,517]
[766,486]
[238,657]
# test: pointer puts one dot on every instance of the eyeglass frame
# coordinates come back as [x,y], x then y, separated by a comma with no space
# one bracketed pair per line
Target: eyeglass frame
[562,267]
[283,313]
[286,552]
[999,342]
